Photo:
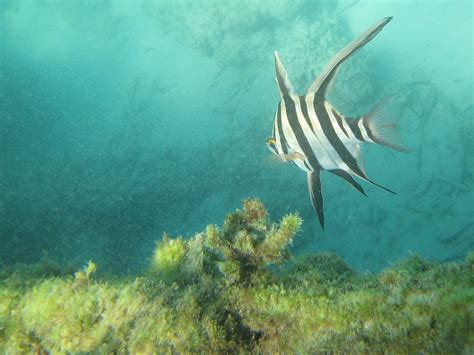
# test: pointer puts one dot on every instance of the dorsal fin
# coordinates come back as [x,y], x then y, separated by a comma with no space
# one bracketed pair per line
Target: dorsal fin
[282,80]
[322,82]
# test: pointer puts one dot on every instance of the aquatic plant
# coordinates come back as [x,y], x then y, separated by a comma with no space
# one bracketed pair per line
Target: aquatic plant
[85,274]
[167,260]
[219,292]
[249,243]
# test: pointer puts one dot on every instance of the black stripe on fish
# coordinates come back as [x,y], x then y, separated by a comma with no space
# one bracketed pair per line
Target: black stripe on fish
[280,131]
[339,121]
[354,126]
[304,110]
[299,133]
[340,148]
[333,138]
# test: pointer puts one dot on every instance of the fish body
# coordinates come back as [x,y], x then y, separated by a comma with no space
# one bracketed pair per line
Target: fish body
[312,134]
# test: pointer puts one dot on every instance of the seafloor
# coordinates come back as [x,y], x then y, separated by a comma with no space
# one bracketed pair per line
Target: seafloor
[237,288]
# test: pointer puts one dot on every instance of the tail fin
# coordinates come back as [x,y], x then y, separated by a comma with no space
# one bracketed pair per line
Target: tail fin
[382,128]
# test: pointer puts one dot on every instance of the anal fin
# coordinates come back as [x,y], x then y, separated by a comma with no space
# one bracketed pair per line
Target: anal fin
[346,176]
[381,187]
[314,187]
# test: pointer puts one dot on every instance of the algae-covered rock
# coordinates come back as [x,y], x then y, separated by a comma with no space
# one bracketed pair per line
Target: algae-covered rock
[215,293]
[432,314]
[318,268]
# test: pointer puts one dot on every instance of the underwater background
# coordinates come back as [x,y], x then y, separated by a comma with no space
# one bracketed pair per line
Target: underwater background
[122,120]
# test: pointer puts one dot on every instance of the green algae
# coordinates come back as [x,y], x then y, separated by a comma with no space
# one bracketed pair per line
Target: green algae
[235,288]
[168,259]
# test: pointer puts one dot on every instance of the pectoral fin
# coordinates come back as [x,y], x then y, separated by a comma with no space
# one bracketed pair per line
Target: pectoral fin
[314,187]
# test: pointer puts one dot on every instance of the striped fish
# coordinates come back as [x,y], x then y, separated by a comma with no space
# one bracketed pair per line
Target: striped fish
[312,134]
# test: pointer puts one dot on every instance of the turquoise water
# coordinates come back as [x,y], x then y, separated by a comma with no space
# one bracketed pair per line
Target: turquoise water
[123,120]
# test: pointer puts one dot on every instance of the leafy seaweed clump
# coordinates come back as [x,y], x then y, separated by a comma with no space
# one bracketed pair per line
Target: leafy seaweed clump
[248,243]
[235,288]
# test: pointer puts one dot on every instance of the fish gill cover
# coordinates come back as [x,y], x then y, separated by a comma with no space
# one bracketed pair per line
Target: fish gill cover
[121,121]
